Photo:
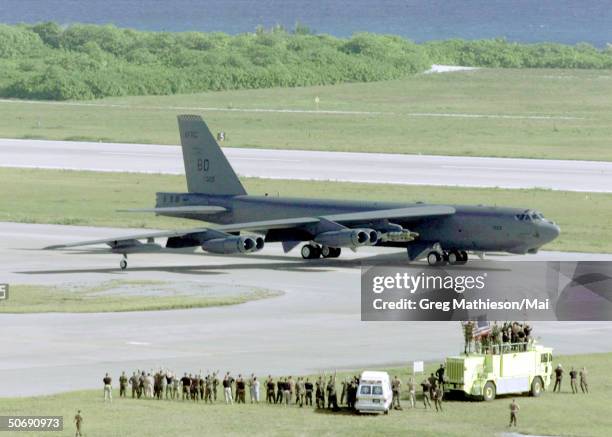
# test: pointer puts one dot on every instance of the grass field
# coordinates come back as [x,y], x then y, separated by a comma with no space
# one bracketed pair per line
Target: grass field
[118,295]
[89,198]
[563,414]
[478,102]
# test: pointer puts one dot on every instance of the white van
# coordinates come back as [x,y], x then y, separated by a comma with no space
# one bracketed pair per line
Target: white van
[374,394]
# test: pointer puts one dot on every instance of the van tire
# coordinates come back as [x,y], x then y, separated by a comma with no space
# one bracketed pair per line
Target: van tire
[536,387]
[488,392]
[386,412]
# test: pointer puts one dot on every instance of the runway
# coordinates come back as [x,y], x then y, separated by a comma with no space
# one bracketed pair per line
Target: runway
[314,326]
[586,176]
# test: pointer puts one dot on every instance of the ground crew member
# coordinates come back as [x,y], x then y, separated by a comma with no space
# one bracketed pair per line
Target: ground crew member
[299,391]
[583,380]
[270,390]
[287,391]
[426,385]
[169,381]
[468,333]
[215,384]
[134,384]
[573,382]
[558,378]
[412,392]
[175,387]
[78,422]
[320,394]
[240,390]
[438,395]
[432,385]
[256,389]
[344,384]
[395,387]
[252,387]
[227,389]
[108,390]
[123,381]
[332,396]
[280,386]
[308,388]
[141,381]
[514,407]
[440,376]
[291,384]
[208,389]
[186,383]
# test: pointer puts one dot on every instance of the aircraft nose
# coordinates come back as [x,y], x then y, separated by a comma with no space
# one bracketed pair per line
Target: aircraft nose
[549,231]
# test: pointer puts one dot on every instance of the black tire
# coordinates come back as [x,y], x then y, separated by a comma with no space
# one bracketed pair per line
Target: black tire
[335,252]
[454,257]
[123,264]
[310,252]
[434,258]
[537,386]
[488,392]
[326,251]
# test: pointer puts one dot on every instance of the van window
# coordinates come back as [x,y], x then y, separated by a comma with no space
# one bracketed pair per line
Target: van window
[365,389]
[377,390]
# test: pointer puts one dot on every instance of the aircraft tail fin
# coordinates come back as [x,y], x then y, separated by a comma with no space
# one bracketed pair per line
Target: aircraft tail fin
[206,167]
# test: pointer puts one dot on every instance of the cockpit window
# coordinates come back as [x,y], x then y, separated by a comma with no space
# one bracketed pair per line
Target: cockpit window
[528,216]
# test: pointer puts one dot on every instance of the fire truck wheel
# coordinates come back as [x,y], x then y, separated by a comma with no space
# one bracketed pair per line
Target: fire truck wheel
[536,387]
[488,392]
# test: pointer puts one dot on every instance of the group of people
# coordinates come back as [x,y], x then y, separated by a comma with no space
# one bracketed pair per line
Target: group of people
[511,336]
[584,386]
[301,391]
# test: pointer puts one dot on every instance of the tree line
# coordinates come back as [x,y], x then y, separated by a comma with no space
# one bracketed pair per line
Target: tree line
[82,61]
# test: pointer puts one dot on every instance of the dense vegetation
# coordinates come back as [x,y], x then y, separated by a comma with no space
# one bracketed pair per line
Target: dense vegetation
[46,61]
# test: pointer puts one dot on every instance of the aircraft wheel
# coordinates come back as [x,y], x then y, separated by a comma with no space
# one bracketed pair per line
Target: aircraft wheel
[434,258]
[310,252]
[454,257]
[464,256]
[335,253]
[488,392]
[326,251]
[123,264]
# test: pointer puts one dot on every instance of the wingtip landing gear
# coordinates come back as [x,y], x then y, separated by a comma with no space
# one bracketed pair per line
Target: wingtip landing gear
[123,263]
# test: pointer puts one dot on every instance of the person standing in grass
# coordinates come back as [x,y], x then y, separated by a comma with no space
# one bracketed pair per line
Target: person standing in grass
[395,388]
[573,380]
[412,392]
[78,422]
[583,380]
[514,408]
[438,395]
[426,385]
[558,378]
[108,389]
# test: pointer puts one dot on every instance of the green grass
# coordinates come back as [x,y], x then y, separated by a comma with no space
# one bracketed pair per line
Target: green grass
[576,93]
[89,198]
[562,414]
[114,296]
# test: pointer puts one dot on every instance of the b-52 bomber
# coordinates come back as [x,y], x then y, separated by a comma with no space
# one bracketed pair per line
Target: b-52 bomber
[439,233]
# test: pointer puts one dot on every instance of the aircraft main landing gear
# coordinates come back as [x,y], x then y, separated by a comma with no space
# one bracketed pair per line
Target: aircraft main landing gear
[123,262]
[454,257]
[314,251]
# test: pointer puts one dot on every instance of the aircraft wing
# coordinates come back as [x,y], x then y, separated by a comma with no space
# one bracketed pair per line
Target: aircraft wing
[415,212]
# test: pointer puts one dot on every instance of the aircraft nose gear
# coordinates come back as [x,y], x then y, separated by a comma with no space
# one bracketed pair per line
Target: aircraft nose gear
[123,262]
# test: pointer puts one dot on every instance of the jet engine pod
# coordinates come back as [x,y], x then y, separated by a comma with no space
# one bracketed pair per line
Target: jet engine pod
[345,238]
[259,243]
[232,244]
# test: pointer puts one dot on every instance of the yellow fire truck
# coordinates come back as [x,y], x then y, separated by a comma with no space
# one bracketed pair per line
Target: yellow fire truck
[504,369]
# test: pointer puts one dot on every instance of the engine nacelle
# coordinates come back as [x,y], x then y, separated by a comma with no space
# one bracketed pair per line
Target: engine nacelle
[233,244]
[347,238]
